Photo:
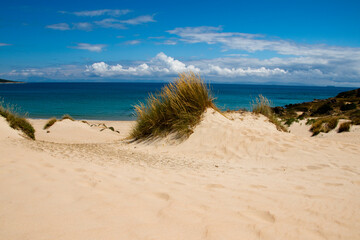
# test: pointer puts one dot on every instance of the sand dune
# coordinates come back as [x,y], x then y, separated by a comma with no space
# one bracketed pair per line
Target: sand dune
[236,177]
[6,132]
[68,131]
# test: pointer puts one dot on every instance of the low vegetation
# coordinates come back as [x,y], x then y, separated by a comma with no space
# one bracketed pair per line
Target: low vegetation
[290,121]
[262,105]
[310,121]
[177,108]
[16,121]
[324,125]
[50,123]
[67,116]
[344,127]
[345,105]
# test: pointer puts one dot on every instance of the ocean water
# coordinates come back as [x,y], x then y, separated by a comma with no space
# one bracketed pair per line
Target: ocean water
[115,101]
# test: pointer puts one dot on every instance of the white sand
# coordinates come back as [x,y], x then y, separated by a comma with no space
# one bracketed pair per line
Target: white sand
[232,179]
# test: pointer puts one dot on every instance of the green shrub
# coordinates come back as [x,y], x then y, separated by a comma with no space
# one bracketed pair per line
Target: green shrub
[344,127]
[355,117]
[347,107]
[324,109]
[290,121]
[310,121]
[50,123]
[355,121]
[15,121]
[262,105]
[176,109]
[67,116]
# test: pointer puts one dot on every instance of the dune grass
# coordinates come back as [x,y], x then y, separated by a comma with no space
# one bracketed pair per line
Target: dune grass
[67,116]
[50,123]
[177,108]
[325,125]
[344,127]
[16,121]
[262,105]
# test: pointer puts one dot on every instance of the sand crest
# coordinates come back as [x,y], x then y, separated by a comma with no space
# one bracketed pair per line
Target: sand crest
[68,131]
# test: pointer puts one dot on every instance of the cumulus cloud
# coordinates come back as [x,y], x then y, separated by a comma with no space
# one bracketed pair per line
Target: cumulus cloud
[90,47]
[159,65]
[100,12]
[139,20]
[59,26]
[168,66]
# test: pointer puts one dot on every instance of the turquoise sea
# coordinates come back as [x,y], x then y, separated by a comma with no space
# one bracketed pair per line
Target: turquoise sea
[115,101]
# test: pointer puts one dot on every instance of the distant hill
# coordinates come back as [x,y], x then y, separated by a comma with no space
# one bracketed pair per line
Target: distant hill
[8,81]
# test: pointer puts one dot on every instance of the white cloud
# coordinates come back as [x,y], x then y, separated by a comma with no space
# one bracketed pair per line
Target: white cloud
[256,42]
[26,73]
[159,65]
[132,42]
[85,26]
[59,26]
[100,12]
[90,47]
[5,44]
[168,66]
[110,23]
[239,72]
[63,72]
[139,20]
[169,42]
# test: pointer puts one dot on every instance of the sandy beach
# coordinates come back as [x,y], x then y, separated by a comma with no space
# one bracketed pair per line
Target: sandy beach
[235,177]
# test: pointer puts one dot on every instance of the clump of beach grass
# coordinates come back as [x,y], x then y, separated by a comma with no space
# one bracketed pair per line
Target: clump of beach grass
[16,121]
[324,125]
[67,116]
[344,127]
[262,105]
[310,121]
[177,108]
[50,123]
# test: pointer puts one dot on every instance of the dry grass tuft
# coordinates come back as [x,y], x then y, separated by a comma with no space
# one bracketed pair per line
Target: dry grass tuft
[176,109]
[15,121]
[324,125]
[344,127]
[50,123]
[67,116]
[262,105]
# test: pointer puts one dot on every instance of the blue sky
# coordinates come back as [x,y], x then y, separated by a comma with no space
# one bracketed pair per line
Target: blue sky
[283,42]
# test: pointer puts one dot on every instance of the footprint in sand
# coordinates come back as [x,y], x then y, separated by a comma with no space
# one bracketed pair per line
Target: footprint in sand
[163,196]
[263,215]
[314,167]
